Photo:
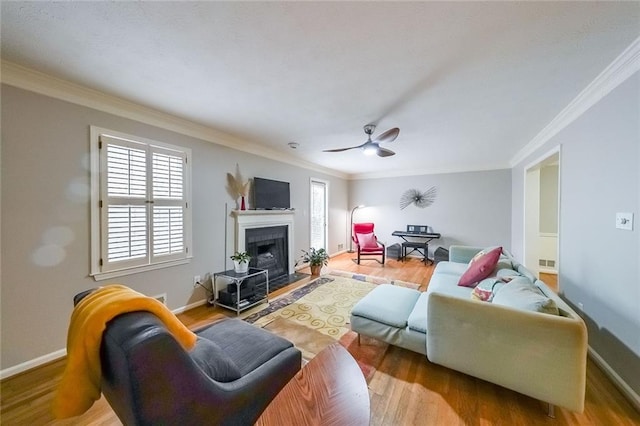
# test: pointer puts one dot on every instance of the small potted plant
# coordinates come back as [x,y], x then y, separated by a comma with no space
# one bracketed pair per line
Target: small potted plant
[241,261]
[315,258]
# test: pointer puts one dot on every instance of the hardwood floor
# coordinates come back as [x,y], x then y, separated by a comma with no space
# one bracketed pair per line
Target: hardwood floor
[549,279]
[405,390]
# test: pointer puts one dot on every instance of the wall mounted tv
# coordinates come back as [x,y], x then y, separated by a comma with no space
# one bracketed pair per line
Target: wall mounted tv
[271,194]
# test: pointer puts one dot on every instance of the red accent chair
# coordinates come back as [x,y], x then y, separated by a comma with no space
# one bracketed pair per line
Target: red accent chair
[366,241]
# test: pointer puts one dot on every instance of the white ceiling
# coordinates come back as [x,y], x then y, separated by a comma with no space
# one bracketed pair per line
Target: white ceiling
[469,84]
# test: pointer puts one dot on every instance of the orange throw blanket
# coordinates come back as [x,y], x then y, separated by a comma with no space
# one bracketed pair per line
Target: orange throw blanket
[80,384]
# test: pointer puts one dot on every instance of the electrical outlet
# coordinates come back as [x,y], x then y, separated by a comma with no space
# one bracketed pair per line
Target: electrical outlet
[196,280]
[340,246]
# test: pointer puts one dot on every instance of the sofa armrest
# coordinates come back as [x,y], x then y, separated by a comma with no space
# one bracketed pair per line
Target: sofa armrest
[540,355]
[463,254]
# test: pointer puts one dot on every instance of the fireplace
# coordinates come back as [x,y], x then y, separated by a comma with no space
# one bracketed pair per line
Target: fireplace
[267,235]
[268,248]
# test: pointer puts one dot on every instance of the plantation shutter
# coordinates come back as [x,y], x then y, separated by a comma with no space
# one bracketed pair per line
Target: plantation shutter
[168,178]
[143,198]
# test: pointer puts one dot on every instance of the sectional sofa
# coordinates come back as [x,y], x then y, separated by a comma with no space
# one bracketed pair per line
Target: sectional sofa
[523,336]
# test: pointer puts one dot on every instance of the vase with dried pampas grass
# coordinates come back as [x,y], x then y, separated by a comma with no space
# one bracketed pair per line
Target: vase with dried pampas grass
[237,187]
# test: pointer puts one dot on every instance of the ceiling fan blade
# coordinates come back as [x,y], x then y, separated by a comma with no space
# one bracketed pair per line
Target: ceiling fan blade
[388,136]
[384,152]
[341,149]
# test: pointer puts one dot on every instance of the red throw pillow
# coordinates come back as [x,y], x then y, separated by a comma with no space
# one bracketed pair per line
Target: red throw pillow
[480,269]
[367,241]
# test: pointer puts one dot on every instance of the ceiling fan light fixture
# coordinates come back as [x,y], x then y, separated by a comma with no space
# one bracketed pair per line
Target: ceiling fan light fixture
[372,147]
[370,150]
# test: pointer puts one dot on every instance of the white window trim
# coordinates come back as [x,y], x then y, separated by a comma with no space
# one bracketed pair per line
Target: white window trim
[326,208]
[96,251]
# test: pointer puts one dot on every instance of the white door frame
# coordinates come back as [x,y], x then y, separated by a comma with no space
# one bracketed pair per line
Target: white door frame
[527,168]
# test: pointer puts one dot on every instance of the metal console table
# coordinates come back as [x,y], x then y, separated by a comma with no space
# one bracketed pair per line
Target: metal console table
[260,295]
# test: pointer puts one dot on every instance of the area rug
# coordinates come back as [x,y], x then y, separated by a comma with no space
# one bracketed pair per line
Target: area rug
[317,315]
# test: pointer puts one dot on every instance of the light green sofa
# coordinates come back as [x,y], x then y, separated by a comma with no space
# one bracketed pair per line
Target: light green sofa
[536,354]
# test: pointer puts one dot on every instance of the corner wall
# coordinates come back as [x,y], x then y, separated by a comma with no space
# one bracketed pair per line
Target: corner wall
[599,264]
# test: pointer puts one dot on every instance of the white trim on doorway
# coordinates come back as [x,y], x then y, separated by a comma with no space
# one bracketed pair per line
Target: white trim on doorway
[557,150]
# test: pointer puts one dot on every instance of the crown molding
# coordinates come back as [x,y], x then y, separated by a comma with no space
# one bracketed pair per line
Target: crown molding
[35,81]
[430,171]
[623,67]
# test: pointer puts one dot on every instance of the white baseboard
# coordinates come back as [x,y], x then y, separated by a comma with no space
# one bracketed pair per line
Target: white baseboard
[61,353]
[622,386]
[338,253]
[33,363]
[189,306]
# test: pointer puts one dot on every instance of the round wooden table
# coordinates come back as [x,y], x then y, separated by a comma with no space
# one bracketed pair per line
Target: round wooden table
[329,390]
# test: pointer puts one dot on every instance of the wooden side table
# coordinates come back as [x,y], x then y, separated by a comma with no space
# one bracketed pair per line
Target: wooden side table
[329,390]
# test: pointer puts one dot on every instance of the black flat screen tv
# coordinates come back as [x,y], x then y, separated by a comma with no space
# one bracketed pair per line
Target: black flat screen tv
[271,194]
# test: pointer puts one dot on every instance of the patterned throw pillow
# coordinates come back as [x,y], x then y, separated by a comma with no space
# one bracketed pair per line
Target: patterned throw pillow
[480,268]
[486,288]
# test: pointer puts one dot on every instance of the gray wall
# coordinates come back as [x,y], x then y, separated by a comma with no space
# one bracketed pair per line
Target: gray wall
[472,208]
[45,149]
[599,264]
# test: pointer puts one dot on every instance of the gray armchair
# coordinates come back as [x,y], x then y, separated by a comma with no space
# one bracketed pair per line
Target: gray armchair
[233,373]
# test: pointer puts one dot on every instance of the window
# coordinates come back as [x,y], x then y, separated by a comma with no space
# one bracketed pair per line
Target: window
[140,192]
[319,208]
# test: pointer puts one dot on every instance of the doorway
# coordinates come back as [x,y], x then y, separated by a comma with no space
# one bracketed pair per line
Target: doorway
[319,209]
[541,217]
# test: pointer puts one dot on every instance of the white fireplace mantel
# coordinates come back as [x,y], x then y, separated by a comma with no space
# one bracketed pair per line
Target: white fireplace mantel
[249,219]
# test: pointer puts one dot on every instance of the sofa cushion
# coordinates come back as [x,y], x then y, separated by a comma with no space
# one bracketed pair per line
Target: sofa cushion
[522,270]
[214,362]
[387,304]
[256,348]
[504,263]
[480,268]
[507,274]
[418,319]
[451,268]
[448,284]
[520,293]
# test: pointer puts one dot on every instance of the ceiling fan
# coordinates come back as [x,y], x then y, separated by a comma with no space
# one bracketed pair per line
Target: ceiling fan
[371,147]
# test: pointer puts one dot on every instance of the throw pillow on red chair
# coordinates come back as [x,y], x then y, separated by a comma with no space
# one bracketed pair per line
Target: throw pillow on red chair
[367,241]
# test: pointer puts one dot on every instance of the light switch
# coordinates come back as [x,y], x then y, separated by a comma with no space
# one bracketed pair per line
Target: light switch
[624,221]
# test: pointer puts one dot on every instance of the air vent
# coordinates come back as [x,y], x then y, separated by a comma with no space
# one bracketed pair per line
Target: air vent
[547,263]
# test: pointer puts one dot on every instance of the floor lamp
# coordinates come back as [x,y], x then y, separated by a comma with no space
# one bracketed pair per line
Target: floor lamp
[351,228]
